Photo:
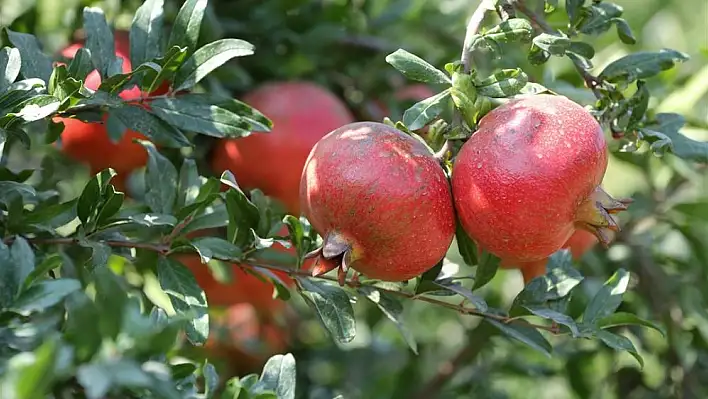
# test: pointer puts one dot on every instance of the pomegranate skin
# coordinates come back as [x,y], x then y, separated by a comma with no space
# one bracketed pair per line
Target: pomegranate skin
[381,193]
[523,181]
[302,113]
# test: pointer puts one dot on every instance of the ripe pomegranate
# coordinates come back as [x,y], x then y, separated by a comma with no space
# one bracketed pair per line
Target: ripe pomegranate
[529,177]
[89,142]
[302,113]
[380,200]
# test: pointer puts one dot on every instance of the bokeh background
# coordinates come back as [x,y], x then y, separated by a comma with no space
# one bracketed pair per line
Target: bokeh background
[341,45]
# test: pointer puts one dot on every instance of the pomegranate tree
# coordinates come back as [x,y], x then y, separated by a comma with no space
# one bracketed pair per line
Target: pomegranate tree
[380,200]
[530,176]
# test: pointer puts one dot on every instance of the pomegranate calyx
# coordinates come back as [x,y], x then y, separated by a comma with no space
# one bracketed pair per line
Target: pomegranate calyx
[335,245]
[335,253]
[595,214]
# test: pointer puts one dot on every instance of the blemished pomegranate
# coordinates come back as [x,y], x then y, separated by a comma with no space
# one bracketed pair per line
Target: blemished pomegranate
[530,176]
[380,200]
[302,113]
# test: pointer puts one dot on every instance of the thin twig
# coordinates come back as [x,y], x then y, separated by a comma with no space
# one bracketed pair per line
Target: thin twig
[591,81]
[254,262]
[473,26]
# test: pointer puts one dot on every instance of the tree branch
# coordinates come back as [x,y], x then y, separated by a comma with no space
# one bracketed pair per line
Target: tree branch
[591,81]
[473,26]
[254,262]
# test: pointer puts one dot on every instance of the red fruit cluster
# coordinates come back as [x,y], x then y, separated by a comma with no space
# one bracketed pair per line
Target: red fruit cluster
[526,184]
[89,143]
[302,113]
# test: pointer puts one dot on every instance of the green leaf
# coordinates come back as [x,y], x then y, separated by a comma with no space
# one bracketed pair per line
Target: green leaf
[99,40]
[664,134]
[91,201]
[423,112]
[186,296]
[573,8]
[35,64]
[35,374]
[624,31]
[103,375]
[10,65]
[139,119]
[185,30]
[598,18]
[638,105]
[332,306]
[153,219]
[466,246]
[146,32]
[211,379]
[641,65]
[81,329]
[38,107]
[558,317]
[189,183]
[478,302]
[44,294]
[392,308]
[279,376]
[619,342]
[208,58]
[160,181]
[553,44]
[200,118]
[608,298]
[560,278]
[215,247]
[16,263]
[505,83]
[243,215]
[583,49]
[627,319]
[513,29]
[257,121]
[81,65]
[51,262]
[521,331]
[416,68]
[9,190]
[486,269]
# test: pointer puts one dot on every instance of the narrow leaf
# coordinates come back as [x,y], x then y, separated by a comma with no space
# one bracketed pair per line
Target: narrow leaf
[146,32]
[35,64]
[332,306]
[621,343]
[139,119]
[279,375]
[423,112]
[160,181]
[558,317]
[10,65]
[416,68]
[186,296]
[44,294]
[393,309]
[502,84]
[627,319]
[185,31]
[524,333]
[99,40]
[642,65]
[486,269]
[200,118]
[208,58]
[608,298]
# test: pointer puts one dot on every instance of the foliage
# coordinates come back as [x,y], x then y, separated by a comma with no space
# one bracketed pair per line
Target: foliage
[95,301]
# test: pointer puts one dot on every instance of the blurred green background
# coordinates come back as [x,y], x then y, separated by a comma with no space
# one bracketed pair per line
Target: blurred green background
[342,44]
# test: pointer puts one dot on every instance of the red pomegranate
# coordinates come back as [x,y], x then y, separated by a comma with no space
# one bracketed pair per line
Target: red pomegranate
[380,200]
[89,142]
[529,177]
[302,113]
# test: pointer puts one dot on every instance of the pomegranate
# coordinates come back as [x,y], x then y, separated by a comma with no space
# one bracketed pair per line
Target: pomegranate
[380,200]
[302,113]
[529,177]
[89,142]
